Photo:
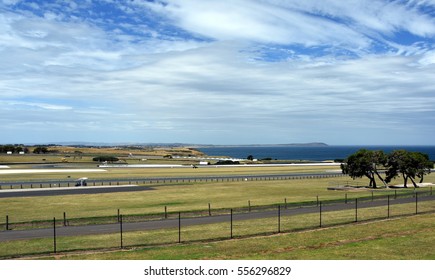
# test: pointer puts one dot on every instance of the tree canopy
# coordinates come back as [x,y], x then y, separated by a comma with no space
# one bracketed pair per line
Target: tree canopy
[105,158]
[13,148]
[40,150]
[409,165]
[403,163]
[365,163]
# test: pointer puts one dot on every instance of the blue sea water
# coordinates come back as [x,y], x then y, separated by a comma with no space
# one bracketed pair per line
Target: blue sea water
[306,153]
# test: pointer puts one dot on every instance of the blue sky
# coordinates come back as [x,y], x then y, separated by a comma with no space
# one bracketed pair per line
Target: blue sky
[355,72]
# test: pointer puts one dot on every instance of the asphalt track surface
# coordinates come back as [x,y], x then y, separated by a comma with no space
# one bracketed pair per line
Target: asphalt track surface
[174,223]
[72,190]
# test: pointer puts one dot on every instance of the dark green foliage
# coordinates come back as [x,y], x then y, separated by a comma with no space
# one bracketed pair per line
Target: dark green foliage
[40,150]
[365,163]
[13,148]
[408,164]
[224,162]
[105,158]
[400,162]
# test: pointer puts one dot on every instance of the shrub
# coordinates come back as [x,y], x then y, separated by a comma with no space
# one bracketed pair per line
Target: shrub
[105,158]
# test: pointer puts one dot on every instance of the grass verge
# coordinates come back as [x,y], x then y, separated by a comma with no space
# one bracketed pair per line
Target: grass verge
[242,230]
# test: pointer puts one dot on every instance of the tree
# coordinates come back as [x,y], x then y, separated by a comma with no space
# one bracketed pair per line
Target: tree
[40,150]
[365,163]
[409,165]
[105,158]
[250,157]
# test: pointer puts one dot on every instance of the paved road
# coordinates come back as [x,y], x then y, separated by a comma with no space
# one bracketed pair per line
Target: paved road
[71,190]
[173,223]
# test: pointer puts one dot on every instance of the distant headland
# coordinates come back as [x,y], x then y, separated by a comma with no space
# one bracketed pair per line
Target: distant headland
[190,145]
[312,144]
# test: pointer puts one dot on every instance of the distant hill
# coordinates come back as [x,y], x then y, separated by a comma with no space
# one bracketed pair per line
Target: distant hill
[313,144]
[102,144]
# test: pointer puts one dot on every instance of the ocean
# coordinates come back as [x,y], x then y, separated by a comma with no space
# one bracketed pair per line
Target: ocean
[306,153]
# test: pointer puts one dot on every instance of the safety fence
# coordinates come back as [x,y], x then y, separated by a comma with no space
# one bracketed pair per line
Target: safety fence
[125,231]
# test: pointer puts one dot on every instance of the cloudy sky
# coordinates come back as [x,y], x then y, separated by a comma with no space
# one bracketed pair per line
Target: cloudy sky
[218,71]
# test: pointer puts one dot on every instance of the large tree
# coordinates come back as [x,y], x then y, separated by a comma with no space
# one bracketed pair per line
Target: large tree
[365,163]
[409,165]
[40,150]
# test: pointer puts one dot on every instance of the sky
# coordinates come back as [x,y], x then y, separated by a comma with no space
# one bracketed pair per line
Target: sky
[355,72]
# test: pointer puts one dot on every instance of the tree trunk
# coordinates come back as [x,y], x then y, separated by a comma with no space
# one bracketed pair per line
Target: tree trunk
[371,176]
[380,178]
[374,182]
[413,182]
[421,178]
[405,180]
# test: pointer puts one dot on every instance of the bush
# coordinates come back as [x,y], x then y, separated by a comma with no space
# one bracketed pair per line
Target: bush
[105,158]
[223,162]
[40,150]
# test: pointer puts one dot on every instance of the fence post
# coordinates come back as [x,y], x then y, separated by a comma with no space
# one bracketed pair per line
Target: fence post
[64,219]
[54,235]
[279,218]
[416,203]
[317,201]
[285,203]
[388,206]
[231,224]
[118,216]
[7,222]
[120,229]
[209,209]
[372,196]
[320,211]
[249,205]
[166,212]
[345,198]
[356,210]
[179,227]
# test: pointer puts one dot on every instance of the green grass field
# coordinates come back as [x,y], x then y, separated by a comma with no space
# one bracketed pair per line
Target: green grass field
[400,239]
[403,238]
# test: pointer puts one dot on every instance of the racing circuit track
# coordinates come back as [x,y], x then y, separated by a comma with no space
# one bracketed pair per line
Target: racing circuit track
[66,187]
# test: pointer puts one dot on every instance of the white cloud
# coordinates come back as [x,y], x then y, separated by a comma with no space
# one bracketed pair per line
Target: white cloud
[372,15]
[257,21]
[12,104]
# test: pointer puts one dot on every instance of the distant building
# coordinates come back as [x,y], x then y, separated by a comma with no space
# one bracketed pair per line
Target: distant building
[9,152]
